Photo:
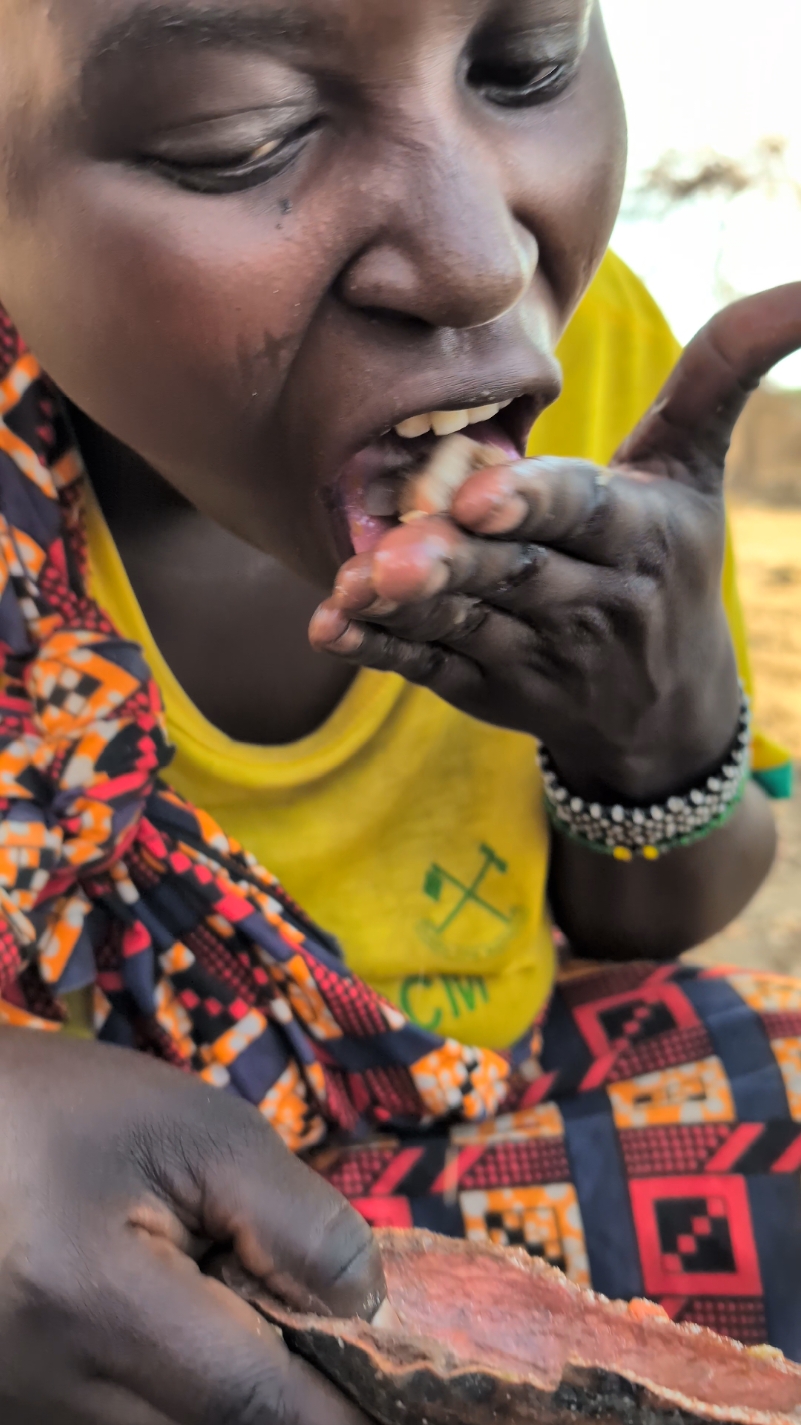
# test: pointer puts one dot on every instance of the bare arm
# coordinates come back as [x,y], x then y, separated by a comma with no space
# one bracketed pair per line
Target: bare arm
[655,910]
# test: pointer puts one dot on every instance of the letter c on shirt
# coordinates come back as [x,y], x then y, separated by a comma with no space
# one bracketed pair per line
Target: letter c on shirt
[415,982]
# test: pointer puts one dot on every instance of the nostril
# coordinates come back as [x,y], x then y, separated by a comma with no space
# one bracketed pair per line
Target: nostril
[401,321]
[385,281]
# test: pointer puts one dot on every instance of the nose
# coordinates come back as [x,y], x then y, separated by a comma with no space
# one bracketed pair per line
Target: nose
[450,252]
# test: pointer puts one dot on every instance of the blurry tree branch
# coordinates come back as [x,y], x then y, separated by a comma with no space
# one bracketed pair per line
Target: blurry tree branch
[678,178]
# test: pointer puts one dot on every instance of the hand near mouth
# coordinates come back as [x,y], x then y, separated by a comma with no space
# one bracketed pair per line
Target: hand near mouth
[578,604]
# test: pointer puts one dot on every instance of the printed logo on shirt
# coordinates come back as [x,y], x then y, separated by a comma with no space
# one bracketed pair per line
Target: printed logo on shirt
[425,998]
[472,920]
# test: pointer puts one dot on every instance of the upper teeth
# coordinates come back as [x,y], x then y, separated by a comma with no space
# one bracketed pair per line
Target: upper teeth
[448,422]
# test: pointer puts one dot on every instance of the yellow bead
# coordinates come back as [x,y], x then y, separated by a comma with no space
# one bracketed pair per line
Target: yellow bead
[650,853]
[622,853]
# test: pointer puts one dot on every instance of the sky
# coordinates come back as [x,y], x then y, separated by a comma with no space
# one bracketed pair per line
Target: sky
[722,75]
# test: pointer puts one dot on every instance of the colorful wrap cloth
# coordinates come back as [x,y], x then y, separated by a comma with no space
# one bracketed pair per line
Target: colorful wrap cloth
[645,1136]
[108,878]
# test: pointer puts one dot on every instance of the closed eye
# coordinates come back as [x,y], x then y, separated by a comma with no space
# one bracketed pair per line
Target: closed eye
[214,173]
[518,85]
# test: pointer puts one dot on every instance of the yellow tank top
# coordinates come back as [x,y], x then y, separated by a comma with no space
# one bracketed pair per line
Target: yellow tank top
[412,832]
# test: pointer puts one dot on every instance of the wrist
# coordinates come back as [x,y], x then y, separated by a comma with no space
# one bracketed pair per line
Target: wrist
[680,743]
[650,830]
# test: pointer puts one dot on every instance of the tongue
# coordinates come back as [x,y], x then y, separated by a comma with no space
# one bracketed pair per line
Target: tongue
[490,433]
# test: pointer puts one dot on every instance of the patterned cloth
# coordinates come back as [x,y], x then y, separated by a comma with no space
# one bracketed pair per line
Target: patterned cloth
[650,1131]
[659,1155]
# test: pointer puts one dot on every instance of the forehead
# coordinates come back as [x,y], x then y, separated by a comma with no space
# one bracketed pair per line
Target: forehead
[112,25]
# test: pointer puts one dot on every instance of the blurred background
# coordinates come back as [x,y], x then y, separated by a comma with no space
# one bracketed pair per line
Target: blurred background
[712,212]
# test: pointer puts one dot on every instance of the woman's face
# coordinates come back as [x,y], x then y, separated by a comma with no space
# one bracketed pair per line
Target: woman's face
[250,237]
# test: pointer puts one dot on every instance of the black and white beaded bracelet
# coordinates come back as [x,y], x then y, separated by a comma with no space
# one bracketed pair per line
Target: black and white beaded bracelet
[626,832]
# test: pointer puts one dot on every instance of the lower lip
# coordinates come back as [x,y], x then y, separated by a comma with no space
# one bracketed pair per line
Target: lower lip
[379,460]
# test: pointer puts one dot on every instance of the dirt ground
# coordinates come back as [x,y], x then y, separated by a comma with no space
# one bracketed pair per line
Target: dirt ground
[768,544]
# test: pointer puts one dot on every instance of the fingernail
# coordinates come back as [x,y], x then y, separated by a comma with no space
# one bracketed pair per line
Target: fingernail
[438,580]
[387,1318]
[328,625]
[331,631]
[502,518]
[381,608]
[409,579]
[353,588]
[350,641]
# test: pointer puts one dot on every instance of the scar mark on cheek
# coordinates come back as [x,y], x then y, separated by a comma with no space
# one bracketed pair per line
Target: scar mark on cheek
[263,363]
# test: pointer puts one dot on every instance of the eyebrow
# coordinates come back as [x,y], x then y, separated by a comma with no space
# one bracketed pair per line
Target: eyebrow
[151,23]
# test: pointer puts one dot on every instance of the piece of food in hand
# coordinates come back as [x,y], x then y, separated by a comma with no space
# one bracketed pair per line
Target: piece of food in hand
[490,1336]
[431,490]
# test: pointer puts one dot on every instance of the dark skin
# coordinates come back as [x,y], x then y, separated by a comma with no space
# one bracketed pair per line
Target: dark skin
[116,1179]
[244,245]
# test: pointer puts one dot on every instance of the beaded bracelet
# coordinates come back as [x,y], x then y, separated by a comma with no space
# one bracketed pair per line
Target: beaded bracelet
[651,832]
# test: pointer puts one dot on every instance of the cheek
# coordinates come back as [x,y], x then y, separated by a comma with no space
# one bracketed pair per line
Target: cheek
[576,178]
[171,319]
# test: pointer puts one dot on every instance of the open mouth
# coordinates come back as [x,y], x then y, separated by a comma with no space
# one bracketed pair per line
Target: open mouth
[371,490]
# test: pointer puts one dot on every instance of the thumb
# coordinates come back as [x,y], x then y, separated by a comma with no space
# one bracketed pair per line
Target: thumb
[686,433]
[231,1179]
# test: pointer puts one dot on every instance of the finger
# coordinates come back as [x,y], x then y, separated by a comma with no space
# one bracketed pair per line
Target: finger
[443,619]
[539,625]
[570,505]
[421,561]
[556,588]
[458,675]
[480,573]
[227,1172]
[451,674]
[417,562]
[167,1337]
[354,589]
[686,433]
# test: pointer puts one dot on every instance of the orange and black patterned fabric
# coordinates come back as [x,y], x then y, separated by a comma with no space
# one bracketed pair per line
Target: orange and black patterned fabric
[645,1135]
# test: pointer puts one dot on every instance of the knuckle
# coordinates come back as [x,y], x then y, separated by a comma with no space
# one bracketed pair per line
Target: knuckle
[251,1387]
[253,1406]
[592,626]
[463,619]
[653,553]
[288,1393]
[529,561]
[458,680]
[385,652]
[420,663]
